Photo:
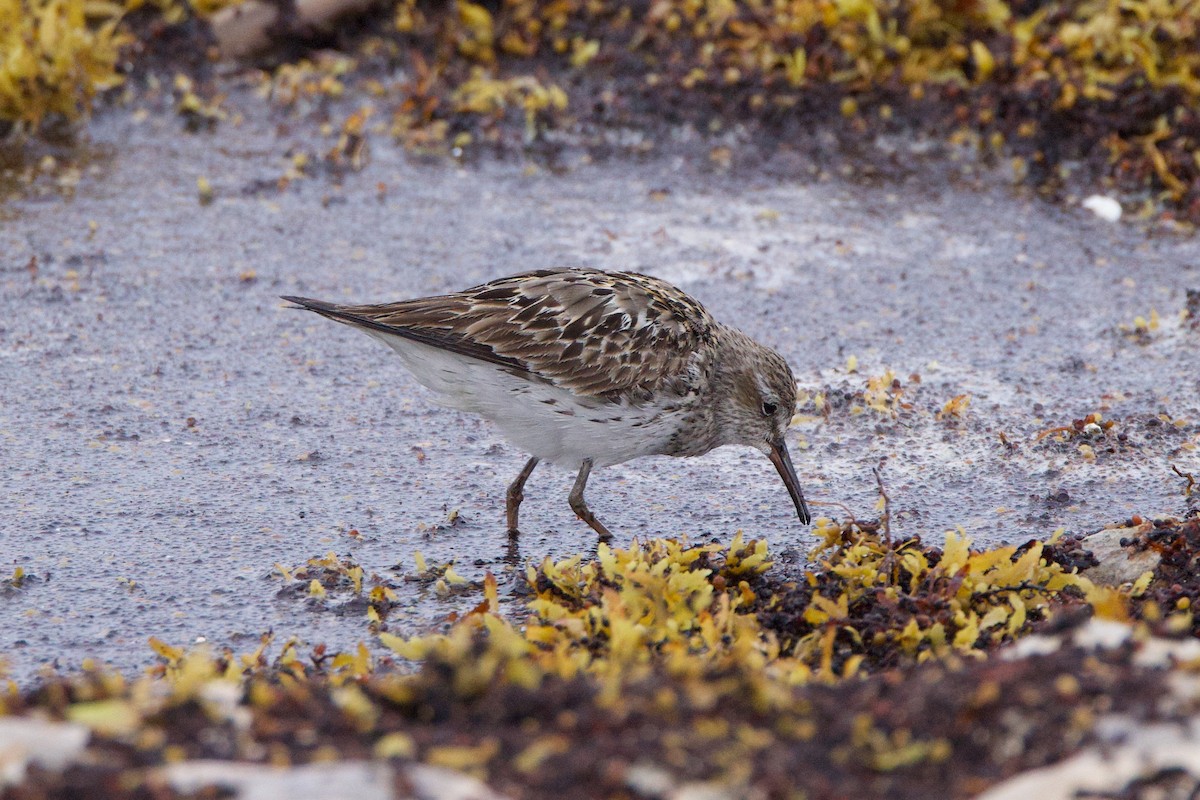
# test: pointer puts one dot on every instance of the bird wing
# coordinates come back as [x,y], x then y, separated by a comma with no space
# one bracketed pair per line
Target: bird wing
[606,335]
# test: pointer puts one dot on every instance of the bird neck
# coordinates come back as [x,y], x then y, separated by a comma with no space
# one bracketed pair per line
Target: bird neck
[734,387]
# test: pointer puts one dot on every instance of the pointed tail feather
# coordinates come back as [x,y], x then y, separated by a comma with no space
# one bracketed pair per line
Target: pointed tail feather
[338,313]
[445,340]
[319,306]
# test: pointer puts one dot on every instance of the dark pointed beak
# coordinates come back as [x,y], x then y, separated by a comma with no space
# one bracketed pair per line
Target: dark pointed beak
[783,462]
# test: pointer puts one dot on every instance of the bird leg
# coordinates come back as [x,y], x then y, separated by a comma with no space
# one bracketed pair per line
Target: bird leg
[516,493]
[580,507]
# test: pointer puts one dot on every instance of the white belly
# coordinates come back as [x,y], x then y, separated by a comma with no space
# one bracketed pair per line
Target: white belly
[543,420]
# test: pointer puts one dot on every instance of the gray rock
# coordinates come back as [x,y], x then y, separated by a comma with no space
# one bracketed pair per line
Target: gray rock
[1118,564]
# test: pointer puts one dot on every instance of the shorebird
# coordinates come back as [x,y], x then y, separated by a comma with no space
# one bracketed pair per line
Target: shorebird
[584,369]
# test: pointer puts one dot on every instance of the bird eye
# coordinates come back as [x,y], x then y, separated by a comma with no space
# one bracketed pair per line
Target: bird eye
[769,408]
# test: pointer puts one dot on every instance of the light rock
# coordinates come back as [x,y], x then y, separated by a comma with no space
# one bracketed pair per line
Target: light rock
[1118,564]
[1102,634]
[319,12]
[1131,751]
[1028,646]
[25,740]
[715,791]
[439,783]
[224,699]
[241,30]
[347,780]
[649,780]
[1158,652]
[244,29]
[1095,634]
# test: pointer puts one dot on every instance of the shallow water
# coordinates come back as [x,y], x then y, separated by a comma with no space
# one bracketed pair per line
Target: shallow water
[170,431]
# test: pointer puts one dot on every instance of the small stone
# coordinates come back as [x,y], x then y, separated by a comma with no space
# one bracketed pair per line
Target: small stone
[649,780]
[1104,207]
[704,791]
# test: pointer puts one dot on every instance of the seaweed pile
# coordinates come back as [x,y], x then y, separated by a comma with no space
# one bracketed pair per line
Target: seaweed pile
[1078,96]
[883,668]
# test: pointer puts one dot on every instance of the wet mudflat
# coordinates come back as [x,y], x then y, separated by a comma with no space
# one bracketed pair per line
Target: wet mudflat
[170,431]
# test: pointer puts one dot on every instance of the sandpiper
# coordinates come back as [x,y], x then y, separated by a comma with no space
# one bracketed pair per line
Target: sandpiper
[585,369]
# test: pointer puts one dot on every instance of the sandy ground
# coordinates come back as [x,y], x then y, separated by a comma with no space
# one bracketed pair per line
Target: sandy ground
[169,431]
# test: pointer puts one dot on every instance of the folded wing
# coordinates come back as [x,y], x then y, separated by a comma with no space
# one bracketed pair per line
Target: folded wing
[607,335]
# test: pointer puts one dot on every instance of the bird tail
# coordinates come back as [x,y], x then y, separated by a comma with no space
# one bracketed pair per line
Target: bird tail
[360,317]
[340,314]
[320,306]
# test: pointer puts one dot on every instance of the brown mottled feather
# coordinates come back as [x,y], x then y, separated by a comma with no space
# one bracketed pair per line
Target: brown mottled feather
[608,366]
[608,335]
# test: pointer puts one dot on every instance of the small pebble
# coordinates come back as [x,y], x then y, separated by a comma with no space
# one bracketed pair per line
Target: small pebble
[1104,207]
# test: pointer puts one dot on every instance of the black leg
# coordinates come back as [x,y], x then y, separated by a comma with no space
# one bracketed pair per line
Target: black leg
[580,507]
[516,493]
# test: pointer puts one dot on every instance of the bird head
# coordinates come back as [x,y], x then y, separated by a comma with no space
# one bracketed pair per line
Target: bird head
[759,407]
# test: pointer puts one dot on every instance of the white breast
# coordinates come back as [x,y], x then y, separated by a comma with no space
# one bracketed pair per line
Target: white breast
[545,421]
